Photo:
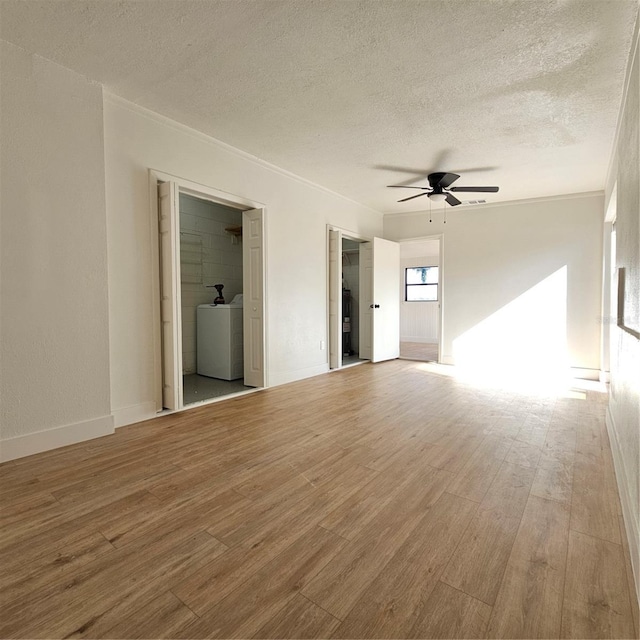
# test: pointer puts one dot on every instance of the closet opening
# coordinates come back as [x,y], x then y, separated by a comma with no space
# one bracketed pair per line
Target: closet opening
[210,333]
[350,342]
[211,299]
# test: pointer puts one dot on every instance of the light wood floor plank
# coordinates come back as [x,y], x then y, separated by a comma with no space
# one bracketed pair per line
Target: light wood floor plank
[266,538]
[596,598]
[337,588]
[246,522]
[59,562]
[300,618]
[524,454]
[62,523]
[595,499]
[102,592]
[253,604]
[634,596]
[449,613]
[478,564]
[529,604]
[394,602]
[554,478]
[477,475]
[197,512]
[162,617]
[349,518]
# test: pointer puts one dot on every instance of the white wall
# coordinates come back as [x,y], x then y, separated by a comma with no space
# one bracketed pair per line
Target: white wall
[55,334]
[517,279]
[418,320]
[209,255]
[623,418]
[296,217]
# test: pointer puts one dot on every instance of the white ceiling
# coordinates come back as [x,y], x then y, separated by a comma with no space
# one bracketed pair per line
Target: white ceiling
[357,95]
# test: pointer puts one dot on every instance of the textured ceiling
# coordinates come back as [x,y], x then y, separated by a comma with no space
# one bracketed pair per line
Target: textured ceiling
[358,95]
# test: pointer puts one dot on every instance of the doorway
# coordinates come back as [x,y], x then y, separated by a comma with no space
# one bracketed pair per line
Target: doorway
[420,299]
[363,299]
[211,294]
[211,299]
[350,313]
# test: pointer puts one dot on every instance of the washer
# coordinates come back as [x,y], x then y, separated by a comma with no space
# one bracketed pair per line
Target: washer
[219,341]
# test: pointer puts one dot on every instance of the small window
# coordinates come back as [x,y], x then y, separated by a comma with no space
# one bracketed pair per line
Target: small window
[421,284]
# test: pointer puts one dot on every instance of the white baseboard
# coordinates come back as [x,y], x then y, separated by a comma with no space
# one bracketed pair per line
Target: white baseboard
[276,379]
[420,339]
[134,413]
[605,377]
[630,522]
[585,374]
[31,443]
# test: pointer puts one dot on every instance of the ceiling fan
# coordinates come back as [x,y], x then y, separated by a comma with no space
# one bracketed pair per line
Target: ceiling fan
[440,189]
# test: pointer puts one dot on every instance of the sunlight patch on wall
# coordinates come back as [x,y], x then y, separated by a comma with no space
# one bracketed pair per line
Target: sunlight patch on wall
[522,344]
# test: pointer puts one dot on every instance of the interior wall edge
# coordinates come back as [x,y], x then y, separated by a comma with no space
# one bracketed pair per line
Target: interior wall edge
[55,319]
[135,413]
[48,439]
[632,527]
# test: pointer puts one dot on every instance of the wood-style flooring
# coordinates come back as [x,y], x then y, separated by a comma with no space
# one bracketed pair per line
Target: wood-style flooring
[379,501]
[419,351]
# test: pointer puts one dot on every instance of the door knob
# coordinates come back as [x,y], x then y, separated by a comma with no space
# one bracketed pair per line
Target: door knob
[374,306]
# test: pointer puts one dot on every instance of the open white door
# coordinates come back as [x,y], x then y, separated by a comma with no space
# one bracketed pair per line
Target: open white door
[253,290]
[169,225]
[379,300]
[335,299]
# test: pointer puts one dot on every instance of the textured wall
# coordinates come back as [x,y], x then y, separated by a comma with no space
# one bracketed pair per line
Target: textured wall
[624,405]
[209,255]
[297,214]
[495,257]
[55,332]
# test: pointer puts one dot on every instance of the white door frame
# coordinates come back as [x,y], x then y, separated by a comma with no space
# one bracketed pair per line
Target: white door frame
[337,329]
[441,293]
[203,192]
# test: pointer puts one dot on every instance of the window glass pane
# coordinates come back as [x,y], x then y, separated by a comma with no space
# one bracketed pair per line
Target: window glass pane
[432,275]
[422,275]
[416,275]
[424,292]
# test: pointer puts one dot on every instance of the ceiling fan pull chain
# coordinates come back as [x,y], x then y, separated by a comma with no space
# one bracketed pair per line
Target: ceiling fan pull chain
[430,211]
[444,210]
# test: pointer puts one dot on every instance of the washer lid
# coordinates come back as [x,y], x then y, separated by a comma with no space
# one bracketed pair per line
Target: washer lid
[216,306]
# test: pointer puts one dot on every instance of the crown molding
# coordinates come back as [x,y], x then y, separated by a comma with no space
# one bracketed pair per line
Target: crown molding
[114,99]
[633,53]
[510,203]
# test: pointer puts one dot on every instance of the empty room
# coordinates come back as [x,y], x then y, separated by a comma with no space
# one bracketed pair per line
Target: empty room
[320,319]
